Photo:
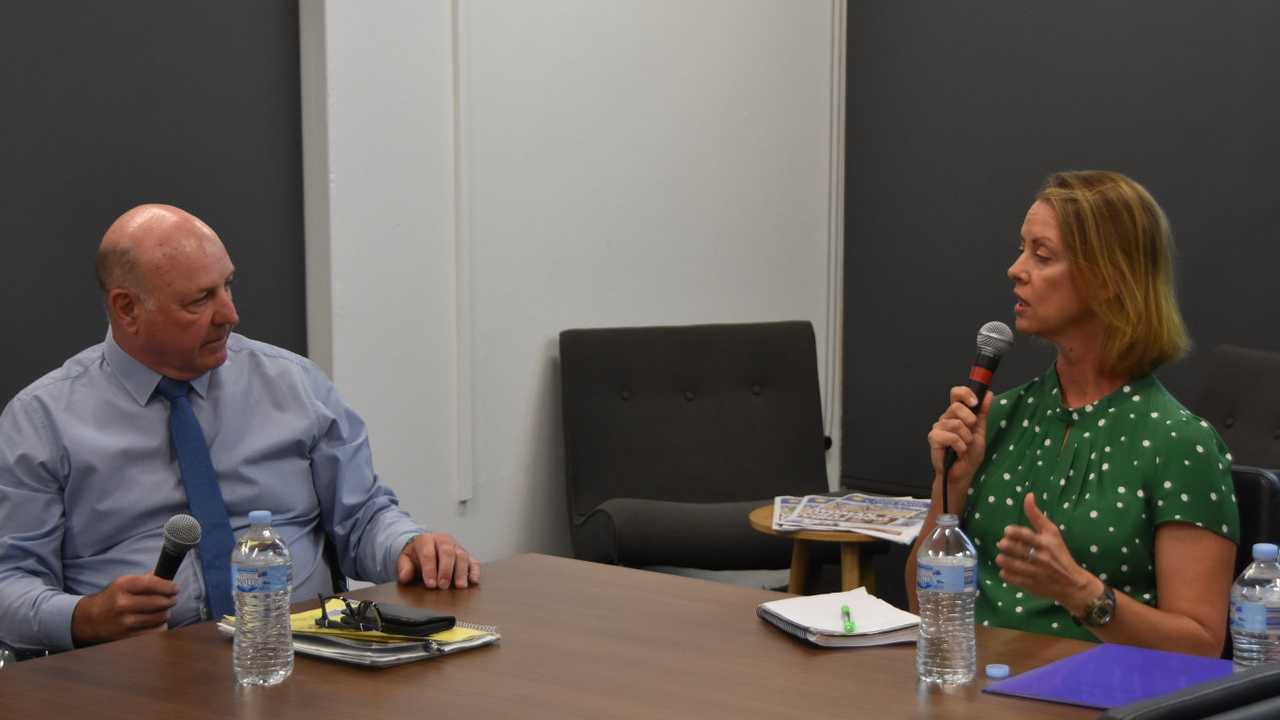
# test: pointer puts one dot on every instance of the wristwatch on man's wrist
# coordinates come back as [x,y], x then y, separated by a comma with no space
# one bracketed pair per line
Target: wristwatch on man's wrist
[1100,610]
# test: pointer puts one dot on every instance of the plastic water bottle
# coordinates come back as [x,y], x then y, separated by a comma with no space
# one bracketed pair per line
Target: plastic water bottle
[947,588]
[1255,610]
[261,579]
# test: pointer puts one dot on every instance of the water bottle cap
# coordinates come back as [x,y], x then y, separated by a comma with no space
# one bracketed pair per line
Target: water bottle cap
[997,671]
[948,520]
[1265,551]
[260,517]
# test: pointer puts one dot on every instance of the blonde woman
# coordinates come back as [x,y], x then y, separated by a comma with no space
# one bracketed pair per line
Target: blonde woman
[1100,507]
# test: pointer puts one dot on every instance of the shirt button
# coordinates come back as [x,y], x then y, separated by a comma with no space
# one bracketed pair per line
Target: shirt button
[204,613]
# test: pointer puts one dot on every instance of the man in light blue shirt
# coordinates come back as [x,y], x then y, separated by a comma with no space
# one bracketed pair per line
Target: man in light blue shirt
[88,475]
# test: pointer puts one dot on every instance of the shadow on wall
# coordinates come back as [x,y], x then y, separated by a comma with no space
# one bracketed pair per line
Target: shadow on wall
[547,485]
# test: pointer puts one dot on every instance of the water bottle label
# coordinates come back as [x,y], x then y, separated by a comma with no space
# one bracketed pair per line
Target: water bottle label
[1254,617]
[250,579]
[946,578]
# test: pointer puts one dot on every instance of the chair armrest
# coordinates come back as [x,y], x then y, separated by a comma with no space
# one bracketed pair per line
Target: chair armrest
[1258,499]
[1236,691]
[1272,473]
[1262,710]
[637,533]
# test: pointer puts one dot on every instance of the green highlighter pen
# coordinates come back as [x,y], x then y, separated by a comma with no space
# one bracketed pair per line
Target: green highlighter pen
[849,627]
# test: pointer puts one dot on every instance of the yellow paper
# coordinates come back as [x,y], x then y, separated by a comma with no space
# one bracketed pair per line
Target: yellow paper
[304,623]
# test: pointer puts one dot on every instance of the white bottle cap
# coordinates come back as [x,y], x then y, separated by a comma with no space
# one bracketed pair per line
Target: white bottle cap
[1265,551]
[263,517]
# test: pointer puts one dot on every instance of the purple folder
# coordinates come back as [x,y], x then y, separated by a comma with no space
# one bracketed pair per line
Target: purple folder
[1112,675]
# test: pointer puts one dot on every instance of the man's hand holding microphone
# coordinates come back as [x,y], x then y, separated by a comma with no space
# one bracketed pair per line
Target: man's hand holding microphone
[133,604]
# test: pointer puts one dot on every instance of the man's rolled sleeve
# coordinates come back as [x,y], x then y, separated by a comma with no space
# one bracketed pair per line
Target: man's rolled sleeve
[394,548]
[34,612]
[51,621]
[362,516]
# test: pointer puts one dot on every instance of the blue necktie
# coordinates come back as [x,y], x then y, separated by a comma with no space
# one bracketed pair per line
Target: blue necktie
[203,496]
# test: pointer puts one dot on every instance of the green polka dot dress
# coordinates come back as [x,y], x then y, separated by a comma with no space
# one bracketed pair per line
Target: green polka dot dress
[1107,474]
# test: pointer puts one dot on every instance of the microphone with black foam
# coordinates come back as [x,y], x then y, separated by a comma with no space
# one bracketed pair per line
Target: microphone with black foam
[994,339]
[181,533]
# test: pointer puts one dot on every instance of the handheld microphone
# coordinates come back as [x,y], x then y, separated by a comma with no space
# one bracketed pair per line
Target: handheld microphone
[994,339]
[181,533]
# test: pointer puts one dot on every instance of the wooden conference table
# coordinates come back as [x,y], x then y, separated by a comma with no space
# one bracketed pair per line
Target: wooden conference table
[579,640]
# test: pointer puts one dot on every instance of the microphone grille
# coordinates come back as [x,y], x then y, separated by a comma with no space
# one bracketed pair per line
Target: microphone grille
[995,338]
[182,529]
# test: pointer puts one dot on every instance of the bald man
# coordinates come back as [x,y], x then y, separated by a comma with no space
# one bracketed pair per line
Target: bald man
[89,474]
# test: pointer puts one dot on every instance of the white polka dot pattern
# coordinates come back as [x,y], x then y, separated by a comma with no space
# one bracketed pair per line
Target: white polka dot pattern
[1091,477]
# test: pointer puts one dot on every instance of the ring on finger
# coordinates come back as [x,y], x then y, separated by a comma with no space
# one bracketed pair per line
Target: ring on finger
[1031,554]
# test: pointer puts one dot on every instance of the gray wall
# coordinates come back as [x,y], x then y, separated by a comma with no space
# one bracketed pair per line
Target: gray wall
[107,105]
[956,113]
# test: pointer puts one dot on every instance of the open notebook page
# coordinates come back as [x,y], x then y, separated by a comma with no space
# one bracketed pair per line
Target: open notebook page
[821,613]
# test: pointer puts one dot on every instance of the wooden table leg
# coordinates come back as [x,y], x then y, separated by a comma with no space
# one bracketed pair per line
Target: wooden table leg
[850,562]
[799,566]
[854,572]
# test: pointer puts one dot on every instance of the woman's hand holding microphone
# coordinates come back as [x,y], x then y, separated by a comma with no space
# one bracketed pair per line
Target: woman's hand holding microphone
[962,428]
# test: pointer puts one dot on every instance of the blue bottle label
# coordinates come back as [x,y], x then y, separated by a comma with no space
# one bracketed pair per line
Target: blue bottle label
[247,578]
[948,577]
[1253,617]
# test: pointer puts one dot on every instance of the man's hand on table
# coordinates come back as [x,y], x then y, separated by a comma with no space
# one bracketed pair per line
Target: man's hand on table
[439,561]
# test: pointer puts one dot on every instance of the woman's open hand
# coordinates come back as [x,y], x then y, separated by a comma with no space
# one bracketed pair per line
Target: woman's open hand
[1037,560]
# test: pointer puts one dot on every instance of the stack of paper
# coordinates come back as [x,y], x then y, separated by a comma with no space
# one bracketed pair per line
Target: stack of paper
[375,649]
[818,619]
[892,518]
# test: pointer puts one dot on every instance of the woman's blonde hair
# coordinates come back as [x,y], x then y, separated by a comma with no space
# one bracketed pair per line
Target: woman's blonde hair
[1121,252]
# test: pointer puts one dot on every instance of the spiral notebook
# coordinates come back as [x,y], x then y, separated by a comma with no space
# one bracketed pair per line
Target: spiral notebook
[818,619]
[375,649]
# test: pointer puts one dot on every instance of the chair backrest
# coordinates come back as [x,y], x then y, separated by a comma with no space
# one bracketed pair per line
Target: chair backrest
[701,413]
[1241,398]
[1258,497]
[330,553]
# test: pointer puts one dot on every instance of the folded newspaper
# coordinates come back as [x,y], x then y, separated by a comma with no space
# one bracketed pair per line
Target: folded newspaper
[892,518]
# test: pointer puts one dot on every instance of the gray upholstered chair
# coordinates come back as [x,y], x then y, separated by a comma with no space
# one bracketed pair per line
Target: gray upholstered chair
[673,434]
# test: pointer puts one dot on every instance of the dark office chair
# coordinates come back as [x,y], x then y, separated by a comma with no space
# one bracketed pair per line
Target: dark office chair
[1258,497]
[674,434]
[330,554]
[10,655]
[1241,399]
[1248,695]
